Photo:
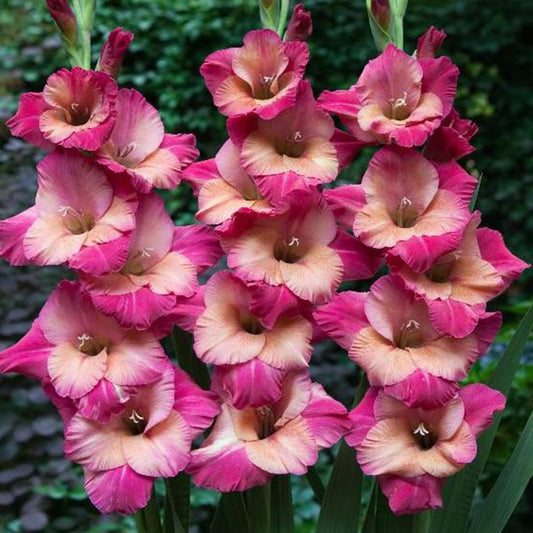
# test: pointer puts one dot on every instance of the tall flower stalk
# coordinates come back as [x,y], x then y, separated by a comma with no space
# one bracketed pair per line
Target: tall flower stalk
[266,202]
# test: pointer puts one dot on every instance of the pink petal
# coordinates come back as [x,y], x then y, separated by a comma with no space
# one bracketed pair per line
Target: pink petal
[290,450]
[120,490]
[29,356]
[136,360]
[199,174]
[103,258]
[102,402]
[488,326]
[481,402]
[269,303]
[249,384]
[199,244]
[163,451]
[347,147]
[429,43]
[421,389]
[360,262]
[362,418]
[12,232]
[453,178]
[440,78]
[412,495]
[276,187]
[217,67]
[326,417]
[493,250]
[25,123]
[343,317]
[345,201]
[137,309]
[93,445]
[73,373]
[450,317]
[197,407]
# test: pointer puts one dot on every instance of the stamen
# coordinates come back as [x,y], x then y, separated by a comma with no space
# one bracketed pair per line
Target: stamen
[403,206]
[147,251]
[398,103]
[295,241]
[75,107]
[135,417]
[297,137]
[125,151]
[267,79]
[83,338]
[65,210]
[421,430]
[410,327]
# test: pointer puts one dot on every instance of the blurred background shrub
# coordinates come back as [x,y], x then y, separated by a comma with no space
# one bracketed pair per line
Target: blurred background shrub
[39,491]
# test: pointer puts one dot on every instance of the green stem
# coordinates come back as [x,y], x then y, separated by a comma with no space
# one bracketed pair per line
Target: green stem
[80,53]
[151,516]
[257,503]
[178,499]
[422,522]
[316,484]
[141,523]
[281,508]
[283,14]
[187,360]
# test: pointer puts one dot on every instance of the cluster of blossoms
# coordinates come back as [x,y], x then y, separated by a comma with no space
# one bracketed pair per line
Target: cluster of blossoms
[289,242]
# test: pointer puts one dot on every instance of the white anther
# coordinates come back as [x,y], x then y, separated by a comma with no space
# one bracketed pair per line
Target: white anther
[267,79]
[82,338]
[421,430]
[147,251]
[63,210]
[135,417]
[295,241]
[75,107]
[405,203]
[399,102]
[412,325]
[297,136]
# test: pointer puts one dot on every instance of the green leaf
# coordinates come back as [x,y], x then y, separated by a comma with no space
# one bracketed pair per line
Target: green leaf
[236,515]
[187,360]
[316,484]
[342,500]
[369,525]
[459,490]
[281,510]
[495,511]
[257,503]
[177,503]
[152,520]
[387,522]
[473,200]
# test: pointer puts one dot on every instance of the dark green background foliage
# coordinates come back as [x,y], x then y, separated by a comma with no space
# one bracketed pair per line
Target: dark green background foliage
[486,38]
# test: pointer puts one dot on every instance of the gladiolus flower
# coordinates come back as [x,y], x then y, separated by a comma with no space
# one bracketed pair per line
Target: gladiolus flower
[80,218]
[397,99]
[299,247]
[261,77]
[64,18]
[300,25]
[85,355]
[294,150]
[412,451]
[388,333]
[235,328]
[113,51]
[458,284]
[407,205]
[451,140]
[223,187]
[150,437]
[75,110]
[139,148]
[248,446]
[162,263]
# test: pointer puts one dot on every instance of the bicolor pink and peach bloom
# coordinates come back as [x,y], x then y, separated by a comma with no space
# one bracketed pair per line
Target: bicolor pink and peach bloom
[397,99]
[150,437]
[223,187]
[162,263]
[81,217]
[248,446]
[299,247]
[388,333]
[260,77]
[406,205]
[412,451]
[458,284]
[139,149]
[75,110]
[84,355]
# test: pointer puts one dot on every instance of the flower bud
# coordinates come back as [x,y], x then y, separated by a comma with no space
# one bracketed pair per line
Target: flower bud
[300,26]
[269,11]
[429,43]
[381,12]
[113,51]
[64,18]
